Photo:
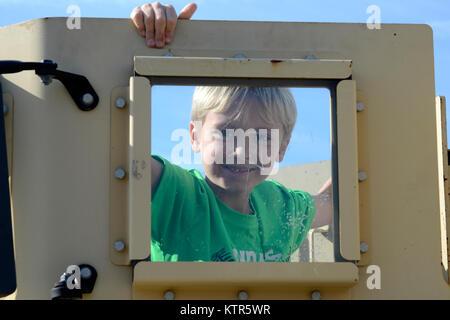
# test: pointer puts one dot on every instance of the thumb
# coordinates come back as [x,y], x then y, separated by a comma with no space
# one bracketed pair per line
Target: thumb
[187,11]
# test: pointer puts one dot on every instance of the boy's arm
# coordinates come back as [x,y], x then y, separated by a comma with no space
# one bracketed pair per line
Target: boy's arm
[156,22]
[324,207]
[157,169]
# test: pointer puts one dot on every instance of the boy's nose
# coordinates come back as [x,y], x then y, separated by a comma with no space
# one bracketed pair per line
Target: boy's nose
[239,150]
[245,153]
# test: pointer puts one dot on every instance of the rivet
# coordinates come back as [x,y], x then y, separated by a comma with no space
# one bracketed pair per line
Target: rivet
[5,108]
[359,106]
[363,247]
[243,295]
[119,245]
[120,103]
[119,173]
[46,80]
[362,176]
[315,295]
[87,99]
[169,295]
[85,273]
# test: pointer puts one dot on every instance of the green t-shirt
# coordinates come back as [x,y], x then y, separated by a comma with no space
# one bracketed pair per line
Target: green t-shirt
[190,223]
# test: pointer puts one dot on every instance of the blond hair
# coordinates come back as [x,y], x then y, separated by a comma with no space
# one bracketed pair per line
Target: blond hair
[276,105]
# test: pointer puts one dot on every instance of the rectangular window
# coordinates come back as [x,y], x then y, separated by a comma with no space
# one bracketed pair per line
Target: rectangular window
[276,231]
[314,266]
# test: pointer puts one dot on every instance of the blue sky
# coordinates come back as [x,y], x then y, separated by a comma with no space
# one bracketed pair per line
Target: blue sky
[314,143]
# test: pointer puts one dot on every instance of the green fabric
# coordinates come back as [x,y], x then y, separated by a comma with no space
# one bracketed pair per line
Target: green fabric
[190,223]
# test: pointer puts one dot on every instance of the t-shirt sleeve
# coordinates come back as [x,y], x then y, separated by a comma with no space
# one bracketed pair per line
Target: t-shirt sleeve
[306,210]
[175,186]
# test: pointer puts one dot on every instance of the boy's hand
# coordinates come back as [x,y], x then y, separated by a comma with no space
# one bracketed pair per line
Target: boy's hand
[156,22]
[324,205]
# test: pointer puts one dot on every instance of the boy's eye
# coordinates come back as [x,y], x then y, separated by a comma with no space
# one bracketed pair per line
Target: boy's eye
[263,137]
[260,136]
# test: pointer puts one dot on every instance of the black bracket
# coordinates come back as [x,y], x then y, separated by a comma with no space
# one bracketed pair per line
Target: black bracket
[88,275]
[78,86]
[7,265]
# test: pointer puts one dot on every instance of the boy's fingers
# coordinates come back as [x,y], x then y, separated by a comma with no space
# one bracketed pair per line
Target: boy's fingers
[171,22]
[160,24]
[157,22]
[137,17]
[188,11]
[149,21]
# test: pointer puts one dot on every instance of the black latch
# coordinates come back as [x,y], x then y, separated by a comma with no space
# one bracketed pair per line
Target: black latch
[78,86]
[69,287]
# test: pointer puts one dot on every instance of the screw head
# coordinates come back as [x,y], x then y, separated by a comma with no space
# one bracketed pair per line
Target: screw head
[239,56]
[363,247]
[87,99]
[119,173]
[46,80]
[119,245]
[85,273]
[169,295]
[120,103]
[243,295]
[315,295]
[362,176]
[5,109]
[359,106]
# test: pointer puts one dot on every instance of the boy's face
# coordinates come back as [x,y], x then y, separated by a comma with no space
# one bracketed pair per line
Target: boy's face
[237,166]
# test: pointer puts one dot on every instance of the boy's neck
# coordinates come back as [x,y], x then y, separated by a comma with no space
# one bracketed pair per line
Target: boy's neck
[238,201]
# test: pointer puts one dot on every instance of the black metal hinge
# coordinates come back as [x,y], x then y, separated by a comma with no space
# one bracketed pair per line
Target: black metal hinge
[78,86]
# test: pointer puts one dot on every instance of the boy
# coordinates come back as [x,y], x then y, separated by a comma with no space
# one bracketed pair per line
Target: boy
[234,213]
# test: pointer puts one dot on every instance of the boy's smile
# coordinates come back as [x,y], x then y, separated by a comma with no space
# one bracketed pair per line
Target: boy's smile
[237,169]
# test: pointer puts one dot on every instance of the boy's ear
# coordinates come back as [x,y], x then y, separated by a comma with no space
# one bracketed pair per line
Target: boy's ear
[195,137]
[283,148]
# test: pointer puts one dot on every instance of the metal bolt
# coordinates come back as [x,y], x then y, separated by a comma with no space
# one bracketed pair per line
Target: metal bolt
[310,57]
[169,295]
[362,176]
[5,109]
[119,173]
[240,56]
[87,99]
[85,273]
[243,295]
[119,245]
[363,247]
[46,80]
[315,295]
[359,106]
[120,103]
